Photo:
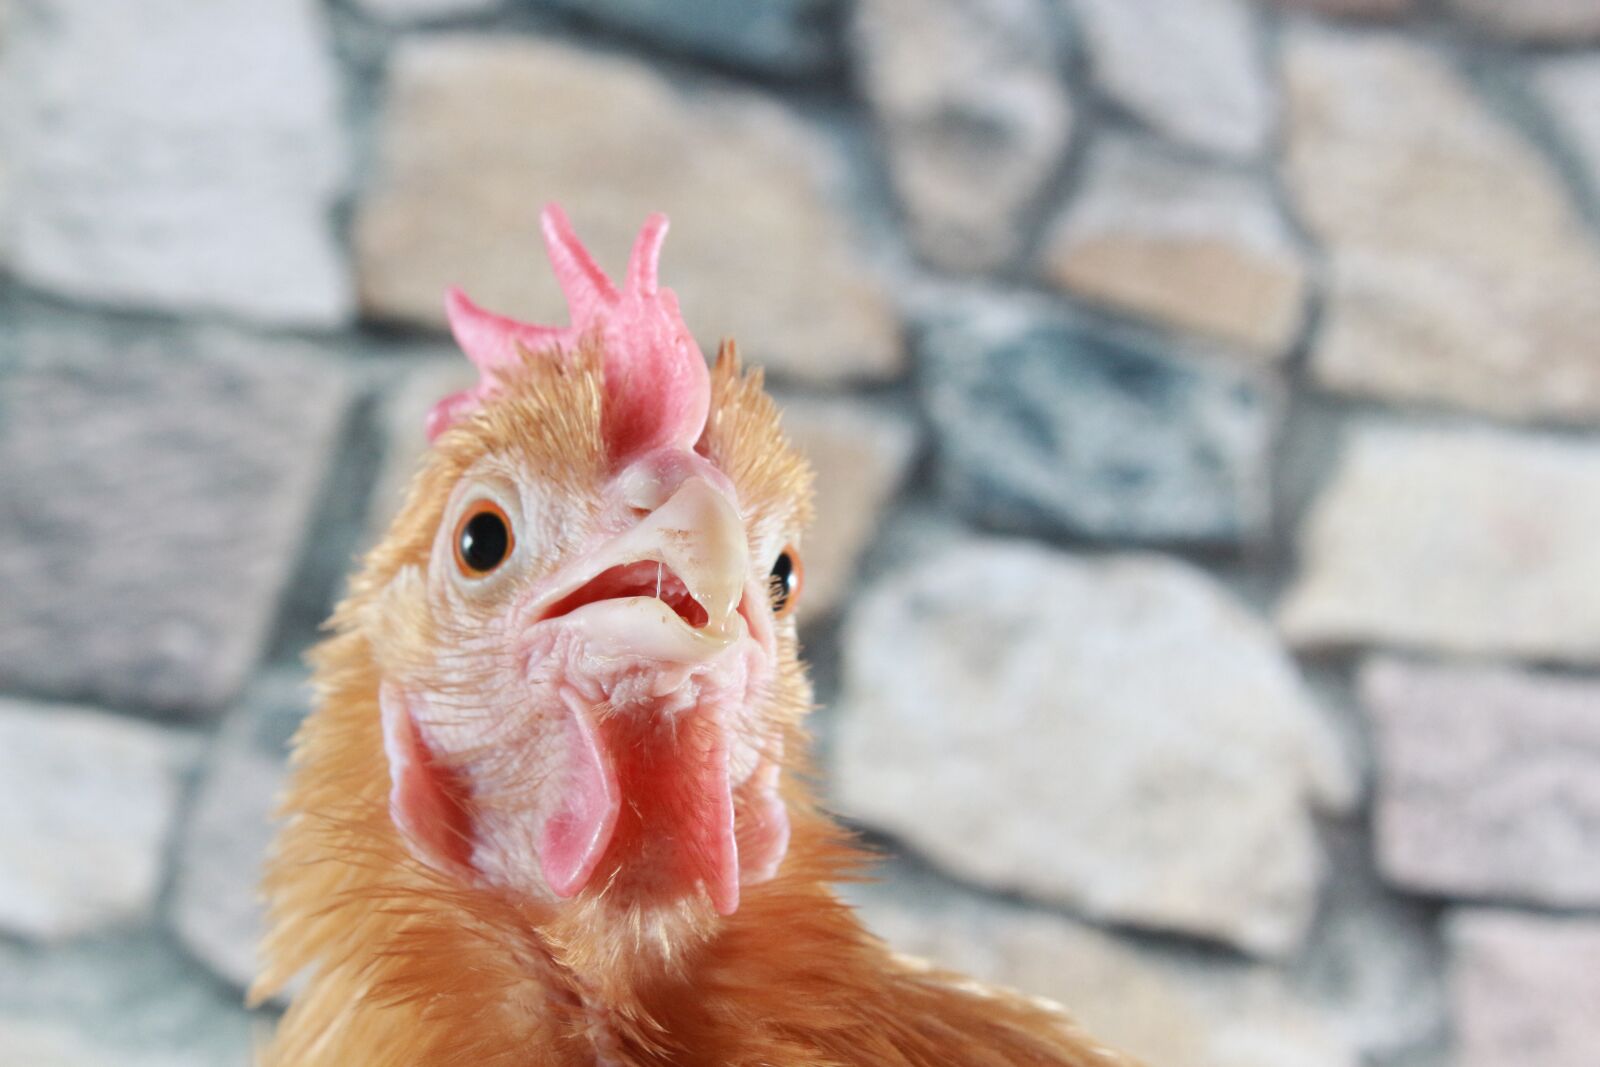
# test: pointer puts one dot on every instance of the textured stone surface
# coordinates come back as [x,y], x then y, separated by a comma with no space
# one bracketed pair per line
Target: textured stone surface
[1388,152]
[1527,989]
[1510,807]
[86,805]
[44,1045]
[1192,69]
[128,1002]
[1197,248]
[786,37]
[1154,1005]
[176,155]
[861,453]
[1569,87]
[1537,20]
[158,487]
[1471,542]
[757,250]
[971,101]
[1374,8]
[1374,960]
[1044,425]
[216,906]
[999,714]
[7,222]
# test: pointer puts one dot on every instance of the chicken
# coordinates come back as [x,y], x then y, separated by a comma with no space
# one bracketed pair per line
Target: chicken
[552,805]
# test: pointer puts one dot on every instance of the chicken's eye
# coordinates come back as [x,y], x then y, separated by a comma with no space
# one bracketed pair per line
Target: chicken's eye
[785,581]
[483,539]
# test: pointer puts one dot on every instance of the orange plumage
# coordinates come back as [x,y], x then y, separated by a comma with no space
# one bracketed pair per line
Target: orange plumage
[403,890]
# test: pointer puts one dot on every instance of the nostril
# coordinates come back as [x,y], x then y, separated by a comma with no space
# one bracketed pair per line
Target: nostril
[642,489]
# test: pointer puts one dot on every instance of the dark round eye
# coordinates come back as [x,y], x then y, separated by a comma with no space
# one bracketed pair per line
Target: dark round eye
[785,581]
[483,539]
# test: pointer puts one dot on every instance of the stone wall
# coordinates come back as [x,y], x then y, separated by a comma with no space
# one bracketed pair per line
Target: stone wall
[1206,592]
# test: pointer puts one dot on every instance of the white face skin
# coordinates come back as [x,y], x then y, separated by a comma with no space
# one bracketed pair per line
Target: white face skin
[590,714]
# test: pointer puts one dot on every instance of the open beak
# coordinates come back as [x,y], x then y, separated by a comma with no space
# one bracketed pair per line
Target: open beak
[669,589]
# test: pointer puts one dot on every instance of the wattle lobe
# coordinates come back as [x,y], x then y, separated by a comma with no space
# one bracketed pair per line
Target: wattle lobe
[575,836]
[705,818]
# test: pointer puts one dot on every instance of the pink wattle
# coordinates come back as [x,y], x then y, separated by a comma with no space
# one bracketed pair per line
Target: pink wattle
[576,836]
[704,815]
[658,390]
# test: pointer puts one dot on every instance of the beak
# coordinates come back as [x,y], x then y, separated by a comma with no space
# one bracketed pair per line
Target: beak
[695,537]
[698,534]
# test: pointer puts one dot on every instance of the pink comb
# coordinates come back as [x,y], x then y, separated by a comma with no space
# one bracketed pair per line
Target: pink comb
[658,390]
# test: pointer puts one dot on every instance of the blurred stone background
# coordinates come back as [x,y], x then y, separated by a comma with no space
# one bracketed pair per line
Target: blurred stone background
[1206,596]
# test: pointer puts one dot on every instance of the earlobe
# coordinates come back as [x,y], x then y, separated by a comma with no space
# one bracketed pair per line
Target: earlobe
[424,803]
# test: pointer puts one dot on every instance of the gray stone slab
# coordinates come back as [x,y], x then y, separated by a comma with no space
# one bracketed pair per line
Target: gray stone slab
[176,155]
[1045,425]
[1533,20]
[1527,989]
[1469,541]
[1489,782]
[130,1002]
[760,248]
[1389,150]
[87,806]
[216,904]
[1192,69]
[971,102]
[157,488]
[1002,712]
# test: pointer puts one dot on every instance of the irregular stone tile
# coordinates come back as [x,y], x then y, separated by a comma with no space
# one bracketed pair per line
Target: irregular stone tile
[999,713]
[1527,989]
[1374,960]
[86,804]
[216,907]
[1388,151]
[1465,541]
[1510,808]
[133,1002]
[423,10]
[757,251]
[176,155]
[158,487]
[1045,425]
[1364,8]
[1191,69]
[784,37]
[1570,89]
[861,453]
[972,104]
[7,223]
[42,1045]
[1198,248]
[1151,1004]
[1533,20]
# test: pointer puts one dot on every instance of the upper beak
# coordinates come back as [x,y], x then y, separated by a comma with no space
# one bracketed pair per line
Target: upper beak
[698,536]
